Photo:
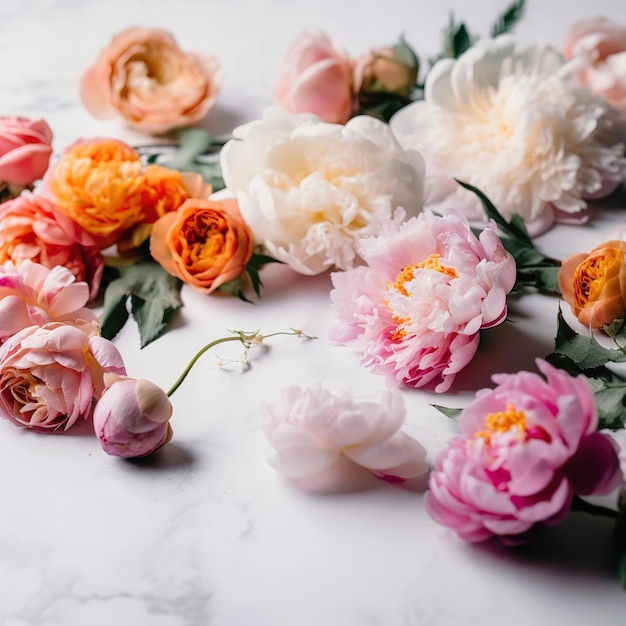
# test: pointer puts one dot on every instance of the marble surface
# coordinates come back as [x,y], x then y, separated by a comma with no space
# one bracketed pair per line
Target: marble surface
[206,532]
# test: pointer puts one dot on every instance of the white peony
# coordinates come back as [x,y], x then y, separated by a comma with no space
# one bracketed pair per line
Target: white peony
[310,190]
[514,124]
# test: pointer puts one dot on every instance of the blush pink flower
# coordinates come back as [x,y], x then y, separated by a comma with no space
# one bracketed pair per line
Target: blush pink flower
[31,227]
[131,419]
[526,448]
[33,295]
[25,149]
[50,375]
[311,428]
[316,77]
[416,309]
[600,44]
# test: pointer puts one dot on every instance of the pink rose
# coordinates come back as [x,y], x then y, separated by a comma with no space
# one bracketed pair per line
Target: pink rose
[144,77]
[31,227]
[33,295]
[526,449]
[51,374]
[311,428]
[416,309]
[24,149]
[316,77]
[601,45]
[131,419]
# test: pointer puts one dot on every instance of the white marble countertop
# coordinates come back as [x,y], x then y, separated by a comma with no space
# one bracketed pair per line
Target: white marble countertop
[206,532]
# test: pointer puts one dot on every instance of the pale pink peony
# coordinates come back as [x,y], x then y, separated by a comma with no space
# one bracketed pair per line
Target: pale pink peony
[429,287]
[50,375]
[31,227]
[131,419]
[33,295]
[600,44]
[526,448]
[316,77]
[144,77]
[311,428]
[25,149]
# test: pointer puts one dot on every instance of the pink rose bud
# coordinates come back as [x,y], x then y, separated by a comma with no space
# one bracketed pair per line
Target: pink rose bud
[131,419]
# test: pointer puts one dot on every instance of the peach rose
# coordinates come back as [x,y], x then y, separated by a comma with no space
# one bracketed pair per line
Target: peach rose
[382,70]
[205,243]
[144,77]
[24,150]
[594,284]
[601,45]
[32,228]
[97,184]
[316,77]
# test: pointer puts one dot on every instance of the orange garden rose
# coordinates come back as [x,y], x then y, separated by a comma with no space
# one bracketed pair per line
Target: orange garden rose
[103,186]
[594,284]
[144,77]
[205,243]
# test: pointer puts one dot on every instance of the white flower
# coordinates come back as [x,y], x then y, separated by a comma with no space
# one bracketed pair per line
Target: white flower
[311,428]
[309,190]
[516,125]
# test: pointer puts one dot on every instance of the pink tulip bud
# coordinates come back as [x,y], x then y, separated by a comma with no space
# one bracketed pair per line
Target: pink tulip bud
[131,419]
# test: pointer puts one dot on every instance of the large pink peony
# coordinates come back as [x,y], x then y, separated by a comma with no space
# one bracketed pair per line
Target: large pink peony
[33,295]
[311,429]
[31,227]
[526,449]
[429,287]
[51,375]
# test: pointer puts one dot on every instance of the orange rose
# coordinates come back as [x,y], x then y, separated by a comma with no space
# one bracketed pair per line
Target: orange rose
[205,243]
[594,284]
[96,183]
[143,76]
[162,191]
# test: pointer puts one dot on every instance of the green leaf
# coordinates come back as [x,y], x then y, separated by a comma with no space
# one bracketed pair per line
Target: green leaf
[447,411]
[192,143]
[154,295]
[404,54]
[586,352]
[461,41]
[505,22]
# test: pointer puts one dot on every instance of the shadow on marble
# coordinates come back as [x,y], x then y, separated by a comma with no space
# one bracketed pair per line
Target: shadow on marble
[172,456]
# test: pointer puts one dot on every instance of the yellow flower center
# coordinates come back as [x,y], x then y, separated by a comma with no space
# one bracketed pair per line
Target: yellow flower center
[503,422]
[592,274]
[407,273]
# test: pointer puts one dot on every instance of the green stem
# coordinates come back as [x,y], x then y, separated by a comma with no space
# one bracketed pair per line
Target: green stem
[586,507]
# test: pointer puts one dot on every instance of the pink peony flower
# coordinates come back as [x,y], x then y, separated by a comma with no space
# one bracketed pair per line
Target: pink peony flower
[31,227]
[31,294]
[429,287]
[526,449]
[25,149]
[311,428]
[51,374]
[601,45]
[316,77]
[131,419]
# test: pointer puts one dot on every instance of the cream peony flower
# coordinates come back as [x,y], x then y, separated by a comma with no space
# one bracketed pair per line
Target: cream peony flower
[516,125]
[309,190]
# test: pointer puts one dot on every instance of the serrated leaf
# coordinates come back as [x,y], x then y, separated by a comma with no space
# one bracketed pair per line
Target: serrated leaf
[452,413]
[505,22]
[153,294]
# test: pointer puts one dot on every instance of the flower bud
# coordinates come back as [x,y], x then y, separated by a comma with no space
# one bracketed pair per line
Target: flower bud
[131,419]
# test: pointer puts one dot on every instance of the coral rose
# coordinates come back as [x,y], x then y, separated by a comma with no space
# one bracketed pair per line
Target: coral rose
[131,419]
[316,77]
[51,374]
[601,45]
[415,310]
[594,284]
[205,243]
[31,227]
[25,149]
[97,183]
[33,295]
[144,77]
[526,449]
[312,428]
